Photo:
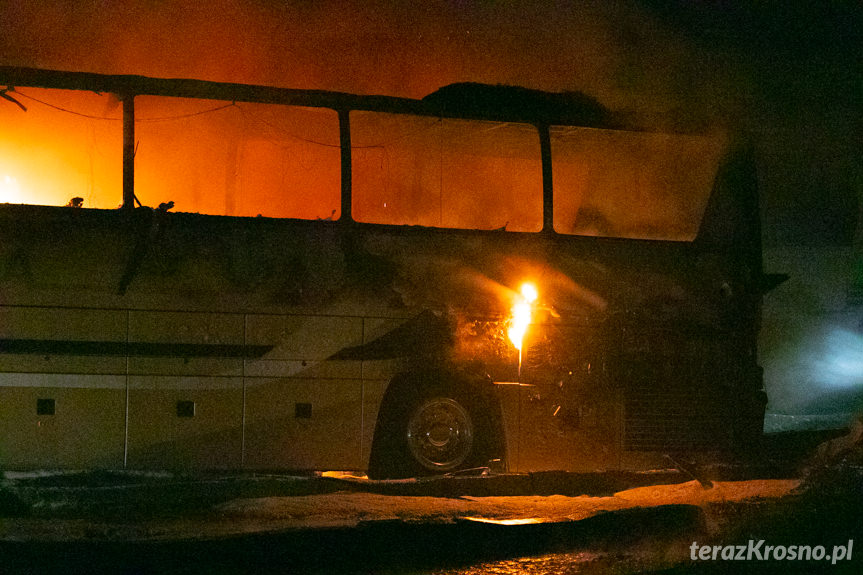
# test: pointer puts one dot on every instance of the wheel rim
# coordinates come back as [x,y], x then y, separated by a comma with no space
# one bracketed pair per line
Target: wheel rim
[440,434]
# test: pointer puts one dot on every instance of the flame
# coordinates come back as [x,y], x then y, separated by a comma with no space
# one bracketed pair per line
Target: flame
[61,148]
[521,314]
[10,192]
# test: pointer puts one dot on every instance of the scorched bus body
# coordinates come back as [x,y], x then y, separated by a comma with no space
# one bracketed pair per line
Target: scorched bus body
[263,278]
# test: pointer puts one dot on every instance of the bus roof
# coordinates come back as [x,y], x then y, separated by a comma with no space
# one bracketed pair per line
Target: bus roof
[462,100]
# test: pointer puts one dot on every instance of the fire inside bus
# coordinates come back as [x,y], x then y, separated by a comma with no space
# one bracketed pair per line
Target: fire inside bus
[199,275]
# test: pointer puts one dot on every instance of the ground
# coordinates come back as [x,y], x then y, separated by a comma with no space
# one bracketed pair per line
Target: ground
[532,523]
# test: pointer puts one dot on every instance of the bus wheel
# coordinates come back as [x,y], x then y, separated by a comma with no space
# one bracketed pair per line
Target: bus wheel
[440,434]
[427,434]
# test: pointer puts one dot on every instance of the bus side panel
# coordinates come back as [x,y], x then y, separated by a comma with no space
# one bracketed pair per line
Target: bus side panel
[295,423]
[507,395]
[185,409]
[303,411]
[581,437]
[61,324]
[58,410]
[373,395]
[53,421]
[377,375]
[191,422]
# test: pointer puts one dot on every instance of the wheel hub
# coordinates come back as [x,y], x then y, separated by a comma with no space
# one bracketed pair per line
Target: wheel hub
[440,434]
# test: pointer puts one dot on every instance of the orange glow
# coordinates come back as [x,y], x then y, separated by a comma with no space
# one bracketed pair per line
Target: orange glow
[206,156]
[598,174]
[525,521]
[522,311]
[10,192]
[68,143]
[468,174]
[223,158]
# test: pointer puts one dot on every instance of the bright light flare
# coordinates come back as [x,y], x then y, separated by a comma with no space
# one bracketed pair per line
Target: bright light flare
[526,521]
[10,191]
[522,312]
[841,361]
[528,291]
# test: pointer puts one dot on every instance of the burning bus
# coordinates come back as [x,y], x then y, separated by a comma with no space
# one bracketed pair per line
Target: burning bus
[200,275]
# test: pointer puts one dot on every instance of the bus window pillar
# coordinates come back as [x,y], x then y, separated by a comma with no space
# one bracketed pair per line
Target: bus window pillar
[345,142]
[128,150]
[547,188]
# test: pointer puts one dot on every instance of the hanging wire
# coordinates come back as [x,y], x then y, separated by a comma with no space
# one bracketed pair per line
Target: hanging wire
[254,118]
[154,119]
[65,110]
[189,115]
[220,108]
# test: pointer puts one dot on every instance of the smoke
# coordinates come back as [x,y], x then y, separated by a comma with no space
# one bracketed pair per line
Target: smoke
[615,52]
[812,339]
[841,362]
[783,73]
[818,369]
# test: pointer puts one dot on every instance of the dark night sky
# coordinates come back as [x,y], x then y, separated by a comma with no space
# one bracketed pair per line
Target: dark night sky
[802,64]
[788,73]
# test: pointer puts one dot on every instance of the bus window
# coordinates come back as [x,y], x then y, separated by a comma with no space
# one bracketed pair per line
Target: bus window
[67,144]
[415,170]
[237,159]
[631,184]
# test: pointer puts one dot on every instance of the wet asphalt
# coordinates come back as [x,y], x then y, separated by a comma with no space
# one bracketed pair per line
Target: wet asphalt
[614,541]
[371,547]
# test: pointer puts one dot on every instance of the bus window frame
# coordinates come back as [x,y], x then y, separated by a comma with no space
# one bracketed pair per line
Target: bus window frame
[544,149]
[128,87]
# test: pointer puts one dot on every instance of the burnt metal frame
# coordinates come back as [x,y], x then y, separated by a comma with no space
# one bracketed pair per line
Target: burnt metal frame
[659,253]
[127,87]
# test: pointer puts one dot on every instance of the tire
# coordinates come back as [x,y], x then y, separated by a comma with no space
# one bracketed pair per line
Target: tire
[440,434]
[429,433]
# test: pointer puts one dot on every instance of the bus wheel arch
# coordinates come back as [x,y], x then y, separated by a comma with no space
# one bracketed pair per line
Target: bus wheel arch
[435,422]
